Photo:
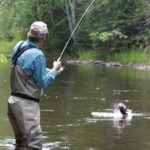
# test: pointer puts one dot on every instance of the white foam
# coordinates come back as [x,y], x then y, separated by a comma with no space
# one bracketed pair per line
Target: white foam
[115,115]
[9,144]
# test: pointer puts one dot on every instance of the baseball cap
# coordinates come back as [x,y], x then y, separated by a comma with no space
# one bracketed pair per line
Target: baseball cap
[38,27]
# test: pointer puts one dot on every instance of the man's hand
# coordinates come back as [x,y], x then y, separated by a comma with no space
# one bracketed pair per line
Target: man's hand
[57,65]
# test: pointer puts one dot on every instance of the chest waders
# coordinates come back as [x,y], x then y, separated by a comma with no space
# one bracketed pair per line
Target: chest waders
[23,106]
[15,70]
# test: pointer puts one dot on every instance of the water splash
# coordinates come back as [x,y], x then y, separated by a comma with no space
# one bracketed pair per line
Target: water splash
[115,116]
[9,144]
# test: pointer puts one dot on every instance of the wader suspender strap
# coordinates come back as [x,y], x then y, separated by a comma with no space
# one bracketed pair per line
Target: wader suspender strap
[20,50]
[25,96]
[15,57]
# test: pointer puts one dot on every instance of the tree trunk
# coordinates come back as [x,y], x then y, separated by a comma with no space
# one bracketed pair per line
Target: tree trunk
[70,11]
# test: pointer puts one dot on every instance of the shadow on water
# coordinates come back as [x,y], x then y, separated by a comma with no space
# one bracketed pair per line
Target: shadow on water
[77,111]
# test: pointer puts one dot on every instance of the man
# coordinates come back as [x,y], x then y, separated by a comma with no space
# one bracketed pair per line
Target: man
[28,78]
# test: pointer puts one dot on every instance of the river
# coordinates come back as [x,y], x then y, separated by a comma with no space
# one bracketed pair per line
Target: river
[67,107]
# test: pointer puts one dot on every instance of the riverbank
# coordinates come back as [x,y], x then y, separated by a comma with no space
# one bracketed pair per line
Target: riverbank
[102,63]
[109,64]
[137,59]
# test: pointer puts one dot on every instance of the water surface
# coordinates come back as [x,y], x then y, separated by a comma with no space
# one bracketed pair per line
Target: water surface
[66,109]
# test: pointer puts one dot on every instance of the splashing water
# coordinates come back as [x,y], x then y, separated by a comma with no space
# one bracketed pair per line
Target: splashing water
[9,144]
[116,116]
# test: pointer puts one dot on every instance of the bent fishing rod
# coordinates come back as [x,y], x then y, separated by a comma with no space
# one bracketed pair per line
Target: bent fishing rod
[61,54]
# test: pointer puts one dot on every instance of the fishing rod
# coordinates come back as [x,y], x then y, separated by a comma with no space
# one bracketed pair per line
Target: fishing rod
[61,54]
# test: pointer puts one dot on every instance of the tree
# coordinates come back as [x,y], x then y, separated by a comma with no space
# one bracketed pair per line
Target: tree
[124,23]
[120,16]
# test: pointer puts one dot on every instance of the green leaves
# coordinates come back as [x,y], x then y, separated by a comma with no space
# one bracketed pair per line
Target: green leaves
[106,20]
[3,58]
[105,36]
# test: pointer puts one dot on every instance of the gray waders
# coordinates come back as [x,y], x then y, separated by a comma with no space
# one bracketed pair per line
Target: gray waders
[24,116]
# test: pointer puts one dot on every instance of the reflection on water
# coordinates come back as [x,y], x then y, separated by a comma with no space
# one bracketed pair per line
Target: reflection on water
[67,110]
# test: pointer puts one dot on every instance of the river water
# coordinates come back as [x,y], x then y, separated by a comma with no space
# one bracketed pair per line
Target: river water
[81,90]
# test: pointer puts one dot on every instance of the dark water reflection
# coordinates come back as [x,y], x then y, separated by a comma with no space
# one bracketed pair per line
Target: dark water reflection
[80,90]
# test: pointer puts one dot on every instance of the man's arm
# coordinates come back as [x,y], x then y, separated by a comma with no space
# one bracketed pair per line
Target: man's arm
[42,77]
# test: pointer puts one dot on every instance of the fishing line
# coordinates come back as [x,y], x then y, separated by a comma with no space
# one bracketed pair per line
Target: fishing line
[61,54]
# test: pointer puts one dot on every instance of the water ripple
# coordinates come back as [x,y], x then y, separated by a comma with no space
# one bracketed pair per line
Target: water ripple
[9,144]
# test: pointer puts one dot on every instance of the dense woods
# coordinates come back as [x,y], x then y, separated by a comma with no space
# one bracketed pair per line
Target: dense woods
[109,26]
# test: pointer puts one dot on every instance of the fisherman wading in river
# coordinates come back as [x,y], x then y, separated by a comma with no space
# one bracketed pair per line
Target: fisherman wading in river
[28,78]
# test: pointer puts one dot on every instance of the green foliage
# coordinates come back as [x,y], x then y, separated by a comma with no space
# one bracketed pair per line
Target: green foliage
[20,14]
[87,55]
[124,22]
[105,36]
[3,58]
[137,56]
[119,20]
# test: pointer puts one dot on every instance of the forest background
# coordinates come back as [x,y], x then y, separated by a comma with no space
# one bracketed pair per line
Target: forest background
[112,30]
